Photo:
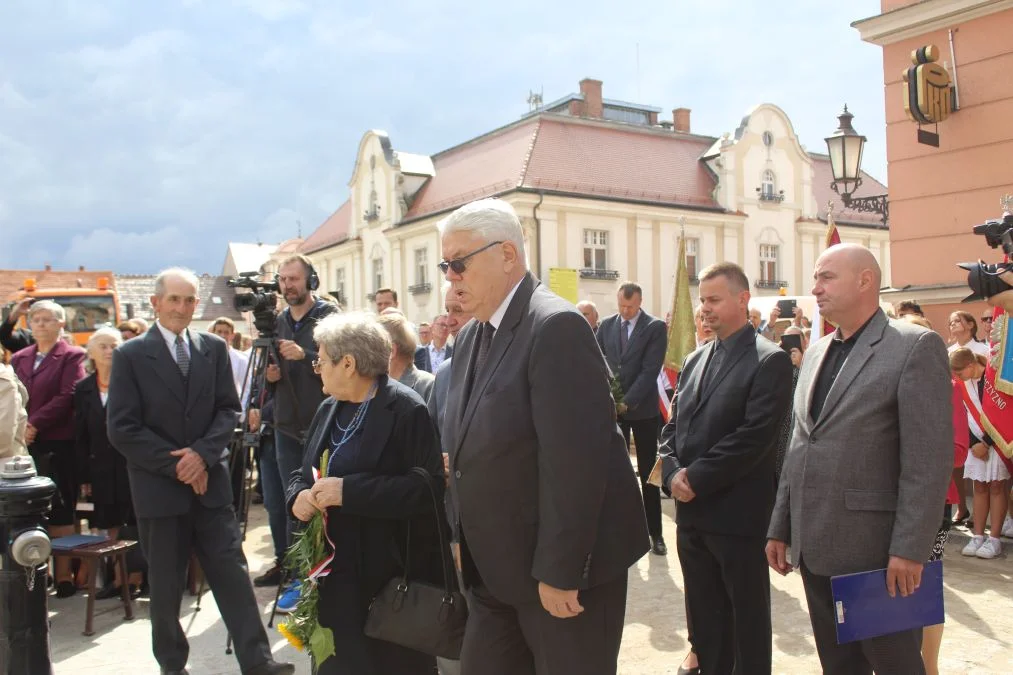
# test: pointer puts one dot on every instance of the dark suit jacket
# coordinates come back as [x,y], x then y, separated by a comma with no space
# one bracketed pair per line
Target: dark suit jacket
[638,367]
[51,388]
[726,436]
[422,360]
[538,469]
[384,497]
[98,461]
[152,411]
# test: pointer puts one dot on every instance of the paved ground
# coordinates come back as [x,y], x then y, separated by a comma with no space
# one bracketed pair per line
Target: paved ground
[979,606]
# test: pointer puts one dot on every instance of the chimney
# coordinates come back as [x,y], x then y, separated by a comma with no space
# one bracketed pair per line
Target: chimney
[591,89]
[49,268]
[80,268]
[680,116]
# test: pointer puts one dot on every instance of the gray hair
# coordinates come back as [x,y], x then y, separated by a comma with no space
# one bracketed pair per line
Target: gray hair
[47,306]
[186,275]
[355,334]
[490,220]
[105,331]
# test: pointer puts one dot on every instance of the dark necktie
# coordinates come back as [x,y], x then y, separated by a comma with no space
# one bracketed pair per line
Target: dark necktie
[485,333]
[624,337]
[182,358]
[713,366]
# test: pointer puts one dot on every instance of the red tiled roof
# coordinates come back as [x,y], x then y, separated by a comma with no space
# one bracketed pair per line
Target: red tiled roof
[823,176]
[12,281]
[333,231]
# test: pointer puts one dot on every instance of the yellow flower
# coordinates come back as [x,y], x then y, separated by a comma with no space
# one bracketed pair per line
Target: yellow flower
[291,637]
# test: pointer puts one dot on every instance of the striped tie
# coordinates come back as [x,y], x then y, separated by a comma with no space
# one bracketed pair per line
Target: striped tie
[182,358]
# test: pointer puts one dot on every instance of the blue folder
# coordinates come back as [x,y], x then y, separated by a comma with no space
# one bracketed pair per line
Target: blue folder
[865,610]
[72,541]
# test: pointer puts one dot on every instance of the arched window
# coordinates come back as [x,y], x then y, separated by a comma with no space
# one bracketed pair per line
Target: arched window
[767,185]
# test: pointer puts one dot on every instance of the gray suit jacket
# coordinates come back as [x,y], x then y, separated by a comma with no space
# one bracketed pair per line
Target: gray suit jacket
[419,381]
[538,469]
[152,411]
[438,397]
[868,480]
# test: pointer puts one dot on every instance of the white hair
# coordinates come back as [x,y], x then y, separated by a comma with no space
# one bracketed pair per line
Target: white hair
[105,331]
[490,220]
[47,306]
[186,275]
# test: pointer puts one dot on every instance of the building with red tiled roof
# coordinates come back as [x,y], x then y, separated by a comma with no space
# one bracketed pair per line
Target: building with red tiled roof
[601,187]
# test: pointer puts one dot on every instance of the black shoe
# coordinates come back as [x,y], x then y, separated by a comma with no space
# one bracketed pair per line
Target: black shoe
[271,668]
[65,589]
[108,591]
[272,577]
[184,671]
[688,671]
[658,547]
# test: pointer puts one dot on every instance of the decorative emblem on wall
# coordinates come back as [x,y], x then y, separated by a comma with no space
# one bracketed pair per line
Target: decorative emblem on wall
[928,92]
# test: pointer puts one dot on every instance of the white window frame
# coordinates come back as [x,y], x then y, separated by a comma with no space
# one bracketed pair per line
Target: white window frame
[421,265]
[693,252]
[769,253]
[594,241]
[768,184]
[377,274]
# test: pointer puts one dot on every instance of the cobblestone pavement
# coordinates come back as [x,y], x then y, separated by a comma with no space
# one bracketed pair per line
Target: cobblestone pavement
[979,608]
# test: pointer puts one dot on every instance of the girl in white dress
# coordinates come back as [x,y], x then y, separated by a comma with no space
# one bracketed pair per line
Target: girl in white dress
[963,332]
[983,465]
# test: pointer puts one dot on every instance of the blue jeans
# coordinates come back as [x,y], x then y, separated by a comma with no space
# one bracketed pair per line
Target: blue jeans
[274,496]
[288,456]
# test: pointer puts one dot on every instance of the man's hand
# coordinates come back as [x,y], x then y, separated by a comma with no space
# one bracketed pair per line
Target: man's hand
[19,310]
[327,492]
[190,465]
[775,314]
[291,351]
[446,468]
[560,604]
[777,557]
[621,409]
[305,506]
[272,373]
[680,487]
[903,575]
[980,450]
[200,486]
[253,419]
[796,357]
[797,321]
[1004,300]
[30,433]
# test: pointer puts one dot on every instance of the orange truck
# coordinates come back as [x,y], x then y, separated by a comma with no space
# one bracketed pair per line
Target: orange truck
[87,308]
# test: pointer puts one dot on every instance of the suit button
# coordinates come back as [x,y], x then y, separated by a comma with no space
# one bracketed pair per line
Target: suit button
[457,474]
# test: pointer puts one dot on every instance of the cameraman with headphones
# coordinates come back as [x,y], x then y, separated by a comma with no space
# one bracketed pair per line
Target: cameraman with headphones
[297,391]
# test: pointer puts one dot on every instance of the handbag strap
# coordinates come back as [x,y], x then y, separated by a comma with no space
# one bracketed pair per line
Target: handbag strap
[440,525]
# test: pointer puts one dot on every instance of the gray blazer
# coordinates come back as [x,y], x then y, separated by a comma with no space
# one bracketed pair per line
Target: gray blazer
[438,397]
[868,480]
[538,469]
[418,380]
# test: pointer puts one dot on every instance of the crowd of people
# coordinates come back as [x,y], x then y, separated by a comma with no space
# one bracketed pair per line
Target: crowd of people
[832,457]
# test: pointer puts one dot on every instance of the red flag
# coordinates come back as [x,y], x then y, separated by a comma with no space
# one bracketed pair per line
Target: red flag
[833,238]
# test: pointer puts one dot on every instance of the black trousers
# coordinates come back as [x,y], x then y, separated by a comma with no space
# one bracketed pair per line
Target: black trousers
[728,595]
[895,654]
[502,639]
[645,434]
[213,534]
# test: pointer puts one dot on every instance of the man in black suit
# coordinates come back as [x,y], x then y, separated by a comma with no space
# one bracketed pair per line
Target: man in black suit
[171,411]
[634,344]
[719,454]
[549,514]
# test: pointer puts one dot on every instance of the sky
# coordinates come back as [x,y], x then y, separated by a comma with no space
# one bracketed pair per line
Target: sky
[139,134]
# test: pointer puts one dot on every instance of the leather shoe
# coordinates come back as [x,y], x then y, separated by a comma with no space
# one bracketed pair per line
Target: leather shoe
[688,671]
[659,547]
[176,672]
[271,668]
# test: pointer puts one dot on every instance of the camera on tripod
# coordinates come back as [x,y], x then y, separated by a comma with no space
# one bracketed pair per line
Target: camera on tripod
[983,279]
[262,301]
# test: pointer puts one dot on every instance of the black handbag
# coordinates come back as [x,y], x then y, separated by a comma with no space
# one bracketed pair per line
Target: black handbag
[420,615]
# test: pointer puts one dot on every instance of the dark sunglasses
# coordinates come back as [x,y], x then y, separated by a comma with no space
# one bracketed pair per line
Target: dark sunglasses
[987,319]
[459,265]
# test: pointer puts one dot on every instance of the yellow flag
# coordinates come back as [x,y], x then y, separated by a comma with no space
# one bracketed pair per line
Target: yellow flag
[681,328]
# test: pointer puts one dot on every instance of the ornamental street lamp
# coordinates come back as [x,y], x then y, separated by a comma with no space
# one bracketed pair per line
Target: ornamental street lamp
[845,146]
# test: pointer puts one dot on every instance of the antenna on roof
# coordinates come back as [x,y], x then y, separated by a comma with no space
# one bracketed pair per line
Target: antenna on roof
[534,100]
[298,229]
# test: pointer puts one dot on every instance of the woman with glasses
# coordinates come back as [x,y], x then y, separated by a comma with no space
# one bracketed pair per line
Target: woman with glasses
[369,434]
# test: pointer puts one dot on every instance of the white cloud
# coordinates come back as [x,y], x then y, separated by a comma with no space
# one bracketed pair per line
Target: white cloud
[135,251]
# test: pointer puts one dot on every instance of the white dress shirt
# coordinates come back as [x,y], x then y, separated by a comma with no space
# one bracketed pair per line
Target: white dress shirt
[170,339]
[497,317]
[436,356]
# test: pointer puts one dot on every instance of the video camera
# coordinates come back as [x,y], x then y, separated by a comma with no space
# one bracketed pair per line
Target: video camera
[262,301]
[983,279]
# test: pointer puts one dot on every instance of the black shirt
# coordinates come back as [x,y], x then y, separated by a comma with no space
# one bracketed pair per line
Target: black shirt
[837,354]
[719,354]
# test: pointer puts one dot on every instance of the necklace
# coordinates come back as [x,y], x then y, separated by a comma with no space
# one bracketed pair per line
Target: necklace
[347,433]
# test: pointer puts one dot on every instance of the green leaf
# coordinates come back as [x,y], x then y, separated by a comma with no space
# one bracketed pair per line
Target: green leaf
[321,643]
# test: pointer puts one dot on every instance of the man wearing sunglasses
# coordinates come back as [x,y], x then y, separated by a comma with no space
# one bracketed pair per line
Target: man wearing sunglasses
[549,513]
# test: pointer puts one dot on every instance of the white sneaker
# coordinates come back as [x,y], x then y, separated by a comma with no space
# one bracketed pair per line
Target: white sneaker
[990,549]
[1007,527]
[972,546]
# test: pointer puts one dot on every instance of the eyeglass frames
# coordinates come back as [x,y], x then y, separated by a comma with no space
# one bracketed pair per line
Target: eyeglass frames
[318,364]
[459,265]
[987,319]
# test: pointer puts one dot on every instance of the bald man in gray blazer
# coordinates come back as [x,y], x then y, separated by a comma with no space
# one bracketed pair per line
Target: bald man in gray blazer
[864,482]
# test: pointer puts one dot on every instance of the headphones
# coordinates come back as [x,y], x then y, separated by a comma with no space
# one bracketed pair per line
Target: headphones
[312,279]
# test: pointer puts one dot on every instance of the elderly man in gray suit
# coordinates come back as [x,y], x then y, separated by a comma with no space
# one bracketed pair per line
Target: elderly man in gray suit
[864,481]
[549,511]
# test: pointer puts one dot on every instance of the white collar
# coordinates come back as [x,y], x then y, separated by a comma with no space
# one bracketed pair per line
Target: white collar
[497,317]
[170,337]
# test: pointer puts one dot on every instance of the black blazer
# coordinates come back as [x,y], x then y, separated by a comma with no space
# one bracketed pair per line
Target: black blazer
[726,436]
[422,360]
[98,461]
[639,366]
[539,472]
[384,499]
[152,411]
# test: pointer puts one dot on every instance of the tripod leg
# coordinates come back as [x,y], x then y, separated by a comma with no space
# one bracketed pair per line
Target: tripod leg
[286,577]
[228,643]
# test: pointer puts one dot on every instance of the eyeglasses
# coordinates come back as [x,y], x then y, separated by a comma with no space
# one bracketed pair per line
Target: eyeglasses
[319,363]
[987,319]
[458,265]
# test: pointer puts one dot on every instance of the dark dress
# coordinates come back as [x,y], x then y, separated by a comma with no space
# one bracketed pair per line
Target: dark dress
[379,498]
[98,461]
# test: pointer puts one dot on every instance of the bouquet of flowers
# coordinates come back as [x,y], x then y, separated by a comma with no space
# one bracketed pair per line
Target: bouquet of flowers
[617,390]
[309,560]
